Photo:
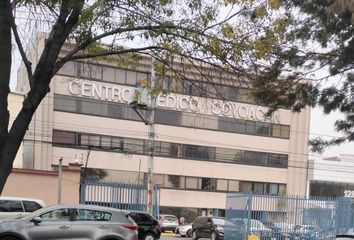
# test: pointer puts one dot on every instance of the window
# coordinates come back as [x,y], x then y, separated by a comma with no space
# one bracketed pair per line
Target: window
[120,76]
[221,185]
[246,187]
[108,74]
[191,183]
[276,130]
[67,69]
[56,215]
[89,140]
[10,206]
[92,215]
[172,181]
[167,149]
[159,179]
[140,218]
[131,77]
[262,128]
[64,137]
[207,183]
[31,206]
[234,186]
[256,158]
[259,188]
[89,70]
[273,188]
[199,152]
[106,142]
[278,160]
[62,103]
[134,145]
[285,131]
[94,108]
[117,143]
[250,127]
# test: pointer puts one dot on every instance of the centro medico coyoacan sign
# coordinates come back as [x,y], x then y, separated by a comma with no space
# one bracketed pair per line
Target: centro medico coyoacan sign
[116,93]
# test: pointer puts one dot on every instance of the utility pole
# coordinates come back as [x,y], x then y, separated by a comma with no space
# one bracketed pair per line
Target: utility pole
[151,133]
[60,176]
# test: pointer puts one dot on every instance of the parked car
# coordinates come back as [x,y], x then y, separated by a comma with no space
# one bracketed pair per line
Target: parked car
[17,207]
[71,222]
[256,227]
[148,226]
[304,232]
[168,222]
[278,230]
[184,230]
[211,227]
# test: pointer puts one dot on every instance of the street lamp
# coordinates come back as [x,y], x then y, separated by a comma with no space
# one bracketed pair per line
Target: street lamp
[146,102]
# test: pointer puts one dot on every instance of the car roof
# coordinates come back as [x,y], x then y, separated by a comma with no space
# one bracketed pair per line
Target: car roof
[87,206]
[22,199]
[40,201]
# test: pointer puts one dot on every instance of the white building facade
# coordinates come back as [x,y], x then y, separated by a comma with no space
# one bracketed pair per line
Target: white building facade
[333,177]
[204,147]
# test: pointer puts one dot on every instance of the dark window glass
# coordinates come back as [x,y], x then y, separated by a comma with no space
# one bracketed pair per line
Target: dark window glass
[64,137]
[256,158]
[262,128]
[140,218]
[65,103]
[278,160]
[199,152]
[31,206]
[115,110]
[134,145]
[168,117]
[172,181]
[250,127]
[207,183]
[10,206]
[259,188]
[167,149]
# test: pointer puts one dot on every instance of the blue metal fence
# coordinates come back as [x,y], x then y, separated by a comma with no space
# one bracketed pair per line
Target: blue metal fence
[119,195]
[287,217]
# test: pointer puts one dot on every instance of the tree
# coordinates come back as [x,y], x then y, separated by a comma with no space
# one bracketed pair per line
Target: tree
[219,35]
[319,38]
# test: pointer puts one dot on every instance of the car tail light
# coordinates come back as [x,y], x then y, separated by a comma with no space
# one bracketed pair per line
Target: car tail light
[157,226]
[130,226]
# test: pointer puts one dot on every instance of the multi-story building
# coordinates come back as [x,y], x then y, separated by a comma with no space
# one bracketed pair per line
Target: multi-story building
[332,177]
[204,146]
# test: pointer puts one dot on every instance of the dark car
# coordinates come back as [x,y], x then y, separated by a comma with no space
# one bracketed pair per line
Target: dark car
[210,227]
[148,226]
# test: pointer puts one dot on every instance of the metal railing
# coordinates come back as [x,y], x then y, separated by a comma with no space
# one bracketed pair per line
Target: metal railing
[128,196]
[287,216]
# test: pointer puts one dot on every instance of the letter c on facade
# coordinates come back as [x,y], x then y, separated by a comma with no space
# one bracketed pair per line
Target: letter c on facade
[74,90]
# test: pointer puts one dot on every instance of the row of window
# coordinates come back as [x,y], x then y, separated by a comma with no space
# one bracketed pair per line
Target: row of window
[168,149]
[169,117]
[130,78]
[187,182]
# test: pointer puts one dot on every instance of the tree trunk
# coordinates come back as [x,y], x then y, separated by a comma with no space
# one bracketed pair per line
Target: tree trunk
[5,71]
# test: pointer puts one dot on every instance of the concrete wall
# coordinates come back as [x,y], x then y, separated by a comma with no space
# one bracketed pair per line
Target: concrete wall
[44,185]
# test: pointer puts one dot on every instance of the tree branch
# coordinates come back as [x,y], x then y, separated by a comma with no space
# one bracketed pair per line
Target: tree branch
[25,60]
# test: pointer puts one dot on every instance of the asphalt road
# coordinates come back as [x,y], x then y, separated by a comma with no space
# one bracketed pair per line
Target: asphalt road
[172,236]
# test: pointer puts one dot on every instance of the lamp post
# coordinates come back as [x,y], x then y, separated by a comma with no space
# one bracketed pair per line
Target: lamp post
[149,119]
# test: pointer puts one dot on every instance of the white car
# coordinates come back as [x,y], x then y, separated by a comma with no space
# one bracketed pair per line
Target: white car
[168,222]
[184,230]
[18,207]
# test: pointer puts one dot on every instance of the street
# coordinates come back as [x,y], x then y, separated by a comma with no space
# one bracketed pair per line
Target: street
[172,236]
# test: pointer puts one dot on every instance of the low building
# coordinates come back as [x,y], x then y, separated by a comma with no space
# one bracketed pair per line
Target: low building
[333,177]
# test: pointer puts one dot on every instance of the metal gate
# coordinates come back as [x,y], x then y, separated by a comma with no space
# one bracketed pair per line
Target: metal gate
[119,195]
[287,216]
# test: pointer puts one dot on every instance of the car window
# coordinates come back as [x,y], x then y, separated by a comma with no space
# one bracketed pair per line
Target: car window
[31,206]
[10,206]
[62,214]
[92,215]
[142,218]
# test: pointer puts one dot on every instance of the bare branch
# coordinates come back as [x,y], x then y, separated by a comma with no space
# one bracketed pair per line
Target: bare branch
[27,63]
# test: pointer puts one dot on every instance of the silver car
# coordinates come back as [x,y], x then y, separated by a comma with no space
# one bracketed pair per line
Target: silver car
[71,222]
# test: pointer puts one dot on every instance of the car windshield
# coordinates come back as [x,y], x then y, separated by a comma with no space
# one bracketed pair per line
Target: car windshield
[34,214]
